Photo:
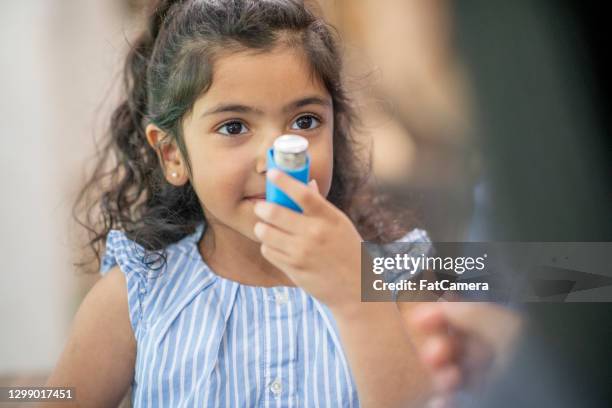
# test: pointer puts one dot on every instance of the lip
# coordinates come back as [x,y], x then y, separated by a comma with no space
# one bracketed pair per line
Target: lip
[256,197]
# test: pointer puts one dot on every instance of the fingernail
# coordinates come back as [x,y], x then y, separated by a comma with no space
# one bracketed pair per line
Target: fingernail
[273,174]
[259,207]
[257,228]
[314,186]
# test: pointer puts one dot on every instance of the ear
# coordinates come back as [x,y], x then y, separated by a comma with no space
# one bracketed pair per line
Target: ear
[168,153]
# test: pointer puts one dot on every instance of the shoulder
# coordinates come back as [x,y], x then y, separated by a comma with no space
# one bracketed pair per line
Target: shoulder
[152,280]
[136,262]
[105,307]
[125,272]
[111,288]
[107,304]
[99,356]
[125,252]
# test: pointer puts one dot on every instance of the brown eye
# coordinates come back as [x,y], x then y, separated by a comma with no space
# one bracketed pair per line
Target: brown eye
[305,122]
[232,128]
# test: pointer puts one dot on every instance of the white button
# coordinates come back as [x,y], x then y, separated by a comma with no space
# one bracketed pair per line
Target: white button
[281,298]
[276,387]
[143,290]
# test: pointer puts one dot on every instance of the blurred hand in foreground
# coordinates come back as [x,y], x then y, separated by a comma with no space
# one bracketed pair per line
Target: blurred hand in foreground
[463,344]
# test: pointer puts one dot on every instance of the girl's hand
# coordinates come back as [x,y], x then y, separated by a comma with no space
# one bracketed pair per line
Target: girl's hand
[319,249]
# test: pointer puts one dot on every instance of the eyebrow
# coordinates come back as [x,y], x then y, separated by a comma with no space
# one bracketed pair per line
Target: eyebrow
[234,107]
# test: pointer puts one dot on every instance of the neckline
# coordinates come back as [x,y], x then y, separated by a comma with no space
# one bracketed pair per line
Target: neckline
[192,249]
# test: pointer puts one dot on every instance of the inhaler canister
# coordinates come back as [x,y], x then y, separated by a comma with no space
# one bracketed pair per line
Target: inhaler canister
[289,154]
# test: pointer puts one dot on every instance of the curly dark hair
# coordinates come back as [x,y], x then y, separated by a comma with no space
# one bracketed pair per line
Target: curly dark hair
[167,68]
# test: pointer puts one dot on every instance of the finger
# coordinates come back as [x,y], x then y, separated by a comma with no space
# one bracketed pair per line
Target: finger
[280,217]
[310,201]
[312,184]
[447,379]
[478,355]
[275,257]
[429,318]
[476,364]
[495,324]
[440,350]
[273,237]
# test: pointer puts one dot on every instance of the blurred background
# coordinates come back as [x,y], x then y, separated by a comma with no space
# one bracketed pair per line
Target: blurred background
[489,119]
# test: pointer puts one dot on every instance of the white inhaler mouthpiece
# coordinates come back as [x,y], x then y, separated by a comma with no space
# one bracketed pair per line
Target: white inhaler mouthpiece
[290,152]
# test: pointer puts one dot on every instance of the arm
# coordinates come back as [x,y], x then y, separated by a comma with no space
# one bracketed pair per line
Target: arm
[307,247]
[99,357]
[382,356]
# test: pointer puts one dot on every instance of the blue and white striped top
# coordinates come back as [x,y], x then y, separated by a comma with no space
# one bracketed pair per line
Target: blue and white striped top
[204,340]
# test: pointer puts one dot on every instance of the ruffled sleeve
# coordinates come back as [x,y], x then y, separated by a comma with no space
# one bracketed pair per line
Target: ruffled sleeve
[129,255]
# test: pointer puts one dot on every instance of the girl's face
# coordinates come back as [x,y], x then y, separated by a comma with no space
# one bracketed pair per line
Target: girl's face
[253,99]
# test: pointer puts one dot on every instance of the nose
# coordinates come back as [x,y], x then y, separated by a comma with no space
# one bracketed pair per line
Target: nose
[261,162]
[262,154]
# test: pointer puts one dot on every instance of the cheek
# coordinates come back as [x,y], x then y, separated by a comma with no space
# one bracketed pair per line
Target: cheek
[321,166]
[219,182]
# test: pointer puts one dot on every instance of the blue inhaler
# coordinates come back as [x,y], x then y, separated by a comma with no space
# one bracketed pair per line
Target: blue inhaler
[289,154]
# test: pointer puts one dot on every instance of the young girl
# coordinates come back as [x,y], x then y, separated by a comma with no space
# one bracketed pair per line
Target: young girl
[212,296]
